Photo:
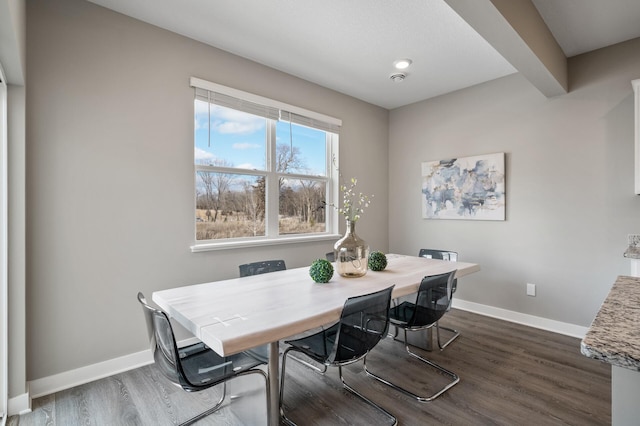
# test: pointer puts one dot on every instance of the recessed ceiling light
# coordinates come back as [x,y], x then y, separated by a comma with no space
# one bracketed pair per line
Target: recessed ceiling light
[402,64]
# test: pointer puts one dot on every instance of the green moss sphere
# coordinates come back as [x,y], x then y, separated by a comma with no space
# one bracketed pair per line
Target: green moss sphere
[377,261]
[321,270]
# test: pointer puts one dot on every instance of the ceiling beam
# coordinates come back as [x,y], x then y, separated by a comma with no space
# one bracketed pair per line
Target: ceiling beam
[518,32]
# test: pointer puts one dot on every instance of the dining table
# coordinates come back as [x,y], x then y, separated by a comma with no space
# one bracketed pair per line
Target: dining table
[239,314]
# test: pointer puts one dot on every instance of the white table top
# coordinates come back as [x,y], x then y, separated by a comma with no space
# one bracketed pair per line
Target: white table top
[234,315]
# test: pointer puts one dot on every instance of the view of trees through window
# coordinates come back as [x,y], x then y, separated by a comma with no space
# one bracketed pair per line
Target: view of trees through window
[241,159]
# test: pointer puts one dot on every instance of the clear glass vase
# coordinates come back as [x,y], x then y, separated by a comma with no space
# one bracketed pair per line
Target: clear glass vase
[351,253]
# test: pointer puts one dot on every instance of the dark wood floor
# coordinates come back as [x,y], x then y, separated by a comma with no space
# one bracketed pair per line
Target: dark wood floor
[510,375]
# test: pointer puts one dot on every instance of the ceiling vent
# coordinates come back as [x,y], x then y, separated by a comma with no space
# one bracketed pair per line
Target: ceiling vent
[398,77]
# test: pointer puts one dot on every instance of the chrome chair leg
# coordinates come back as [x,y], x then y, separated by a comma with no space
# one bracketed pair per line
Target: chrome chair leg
[224,394]
[456,334]
[365,399]
[210,410]
[289,422]
[283,370]
[454,377]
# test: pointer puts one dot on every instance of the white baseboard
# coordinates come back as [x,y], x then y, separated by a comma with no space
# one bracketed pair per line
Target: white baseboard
[69,379]
[20,404]
[80,376]
[520,318]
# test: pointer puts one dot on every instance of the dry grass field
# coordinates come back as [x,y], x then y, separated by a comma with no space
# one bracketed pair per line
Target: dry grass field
[237,225]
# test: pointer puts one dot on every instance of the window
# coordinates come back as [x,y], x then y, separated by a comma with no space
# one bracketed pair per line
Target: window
[263,170]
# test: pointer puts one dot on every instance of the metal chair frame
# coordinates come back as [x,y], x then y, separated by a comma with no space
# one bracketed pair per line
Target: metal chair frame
[170,360]
[451,256]
[333,346]
[412,325]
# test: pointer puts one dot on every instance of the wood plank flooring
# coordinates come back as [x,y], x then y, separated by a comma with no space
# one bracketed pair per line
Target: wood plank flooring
[510,375]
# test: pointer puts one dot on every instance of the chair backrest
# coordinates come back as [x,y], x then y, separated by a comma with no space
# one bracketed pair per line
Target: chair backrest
[451,256]
[263,267]
[331,256]
[439,254]
[433,299]
[163,343]
[363,323]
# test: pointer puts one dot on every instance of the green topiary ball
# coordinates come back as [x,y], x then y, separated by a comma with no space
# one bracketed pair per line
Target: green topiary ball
[377,261]
[321,270]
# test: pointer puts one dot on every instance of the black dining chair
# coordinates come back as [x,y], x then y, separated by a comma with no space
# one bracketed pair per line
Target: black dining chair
[450,256]
[363,323]
[195,367]
[258,268]
[261,267]
[264,267]
[432,301]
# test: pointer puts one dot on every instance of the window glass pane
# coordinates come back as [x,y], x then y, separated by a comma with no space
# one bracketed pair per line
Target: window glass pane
[300,149]
[229,205]
[247,149]
[229,138]
[301,206]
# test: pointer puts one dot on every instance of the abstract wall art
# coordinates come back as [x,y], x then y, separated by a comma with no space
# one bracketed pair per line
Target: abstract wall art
[464,188]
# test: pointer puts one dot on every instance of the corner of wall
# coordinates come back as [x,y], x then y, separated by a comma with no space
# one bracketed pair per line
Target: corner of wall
[20,404]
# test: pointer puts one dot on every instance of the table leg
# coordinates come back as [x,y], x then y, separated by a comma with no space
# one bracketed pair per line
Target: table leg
[422,339]
[273,371]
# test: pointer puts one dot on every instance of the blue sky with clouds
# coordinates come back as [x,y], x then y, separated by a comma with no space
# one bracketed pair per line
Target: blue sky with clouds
[238,139]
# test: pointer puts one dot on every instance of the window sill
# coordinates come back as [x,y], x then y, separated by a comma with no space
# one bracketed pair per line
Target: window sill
[263,242]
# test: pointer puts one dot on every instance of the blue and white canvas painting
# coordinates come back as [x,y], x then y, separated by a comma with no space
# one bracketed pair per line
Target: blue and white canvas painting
[464,188]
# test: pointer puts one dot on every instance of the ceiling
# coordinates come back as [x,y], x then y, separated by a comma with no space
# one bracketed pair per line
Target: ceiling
[350,46]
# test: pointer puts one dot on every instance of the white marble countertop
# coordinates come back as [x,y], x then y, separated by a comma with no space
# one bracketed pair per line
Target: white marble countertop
[614,335]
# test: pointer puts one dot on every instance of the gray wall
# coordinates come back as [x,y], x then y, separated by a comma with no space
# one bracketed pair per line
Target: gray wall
[109,193]
[569,171]
[110,175]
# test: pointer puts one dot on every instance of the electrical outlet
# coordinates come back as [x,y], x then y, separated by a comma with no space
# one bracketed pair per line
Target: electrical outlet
[531,289]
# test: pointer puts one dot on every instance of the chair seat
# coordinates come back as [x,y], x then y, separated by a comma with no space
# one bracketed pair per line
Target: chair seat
[403,313]
[203,366]
[353,345]
[317,346]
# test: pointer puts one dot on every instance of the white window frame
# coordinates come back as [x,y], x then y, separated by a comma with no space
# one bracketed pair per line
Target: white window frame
[271,226]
